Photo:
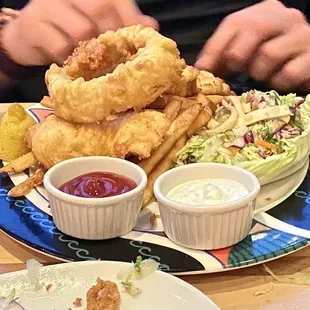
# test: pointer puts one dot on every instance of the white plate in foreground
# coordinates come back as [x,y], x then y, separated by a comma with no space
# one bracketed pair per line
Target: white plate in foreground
[72,280]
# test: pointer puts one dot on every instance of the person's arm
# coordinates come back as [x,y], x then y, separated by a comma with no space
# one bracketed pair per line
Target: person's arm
[268,40]
[47,31]
[10,71]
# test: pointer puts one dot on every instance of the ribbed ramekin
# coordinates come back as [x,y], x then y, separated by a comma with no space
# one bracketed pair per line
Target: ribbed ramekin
[94,218]
[206,227]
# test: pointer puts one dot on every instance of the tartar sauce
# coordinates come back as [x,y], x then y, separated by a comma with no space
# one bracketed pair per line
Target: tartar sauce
[207,192]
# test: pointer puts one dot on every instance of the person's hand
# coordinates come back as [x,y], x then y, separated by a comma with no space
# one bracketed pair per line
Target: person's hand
[269,40]
[47,31]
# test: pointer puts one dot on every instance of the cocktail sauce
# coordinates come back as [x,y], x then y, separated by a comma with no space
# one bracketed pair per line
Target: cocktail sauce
[98,185]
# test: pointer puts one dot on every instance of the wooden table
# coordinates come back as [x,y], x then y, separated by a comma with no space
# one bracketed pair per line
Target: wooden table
[229,290]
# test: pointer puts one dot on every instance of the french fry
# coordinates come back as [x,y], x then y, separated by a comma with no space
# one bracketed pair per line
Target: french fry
[20,164]
[206,102]
[203,118]
[173,108]
[47,102]
[216,99]
[188,102]
[177,129]
[25,187]
[163,166]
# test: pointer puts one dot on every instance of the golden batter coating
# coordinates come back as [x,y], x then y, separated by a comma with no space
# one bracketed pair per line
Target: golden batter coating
[152,65]
[131,133]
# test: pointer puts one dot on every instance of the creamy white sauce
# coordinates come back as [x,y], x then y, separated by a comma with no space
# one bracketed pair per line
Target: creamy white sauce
[207,192]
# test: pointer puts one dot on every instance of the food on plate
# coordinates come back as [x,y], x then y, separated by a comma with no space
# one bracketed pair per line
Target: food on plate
[208,84]
[176,130]
[9,302]
[126,94]
[13,126]
[78,302]
[25,187]
[20,164]
[99,184]
[131,133]
[207,192]
[193,82]
[187,84]
[120,70]
[47,102]
[269,136]
[138,269]
[164,165]
[103,296]
[33,272]
[216,99]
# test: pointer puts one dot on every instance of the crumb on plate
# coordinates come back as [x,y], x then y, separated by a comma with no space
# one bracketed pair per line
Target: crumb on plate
[268,199]
[153,219]
[78,302]
[103,296]
[48,287]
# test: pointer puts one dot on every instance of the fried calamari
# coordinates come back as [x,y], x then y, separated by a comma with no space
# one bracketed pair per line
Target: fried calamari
[138,65]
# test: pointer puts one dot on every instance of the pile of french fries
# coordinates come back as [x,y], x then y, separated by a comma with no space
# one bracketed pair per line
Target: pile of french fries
[188,115]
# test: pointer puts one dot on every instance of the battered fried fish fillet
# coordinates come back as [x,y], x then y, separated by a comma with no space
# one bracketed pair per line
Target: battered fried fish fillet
[103,296]
[131,133]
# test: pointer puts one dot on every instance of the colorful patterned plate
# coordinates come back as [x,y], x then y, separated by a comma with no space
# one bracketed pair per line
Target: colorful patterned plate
[277,232]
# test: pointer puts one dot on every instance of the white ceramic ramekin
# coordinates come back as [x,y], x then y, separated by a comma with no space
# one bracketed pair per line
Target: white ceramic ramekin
[206,227]
[94,218]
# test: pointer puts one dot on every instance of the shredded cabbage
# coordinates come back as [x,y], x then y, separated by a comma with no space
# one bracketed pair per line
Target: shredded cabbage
[140,269]
[130,288]
[287,154]
[8,300]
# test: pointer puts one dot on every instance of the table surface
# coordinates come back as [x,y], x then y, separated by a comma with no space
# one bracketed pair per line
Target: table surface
[241,289]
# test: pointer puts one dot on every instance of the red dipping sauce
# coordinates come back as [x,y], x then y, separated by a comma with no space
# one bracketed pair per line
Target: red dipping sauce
[98,185]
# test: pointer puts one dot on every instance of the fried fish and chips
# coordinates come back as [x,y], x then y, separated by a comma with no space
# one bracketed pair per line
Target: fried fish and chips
[135,98]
